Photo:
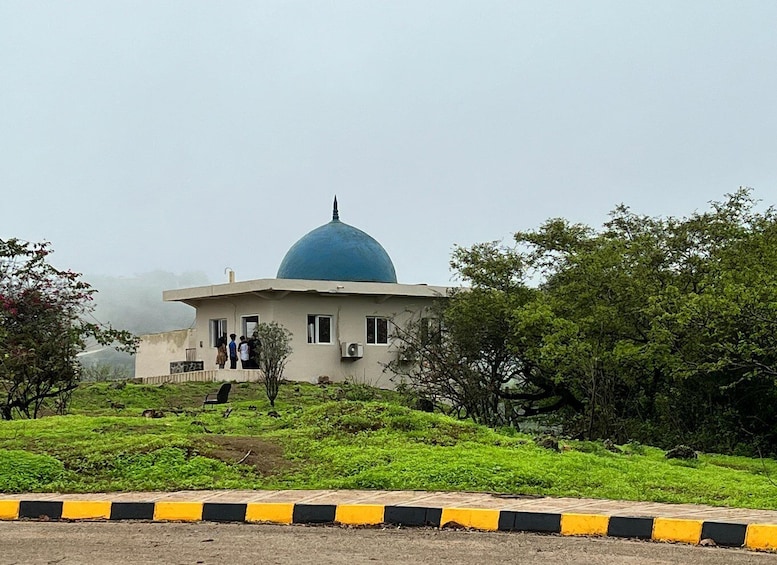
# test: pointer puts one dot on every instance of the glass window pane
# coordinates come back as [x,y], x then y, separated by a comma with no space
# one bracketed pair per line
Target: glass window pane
[249,325]
[324,333]
[370,329]
[217,329]
[382,324]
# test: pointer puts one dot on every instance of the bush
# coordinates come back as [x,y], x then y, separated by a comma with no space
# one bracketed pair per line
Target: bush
[21,471]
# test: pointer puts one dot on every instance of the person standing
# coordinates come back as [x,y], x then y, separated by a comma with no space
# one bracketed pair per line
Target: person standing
[244,352]
[232,352]
[221,354]
[253,352]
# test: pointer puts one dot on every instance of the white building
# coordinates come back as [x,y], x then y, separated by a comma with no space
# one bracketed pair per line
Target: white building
[336,292]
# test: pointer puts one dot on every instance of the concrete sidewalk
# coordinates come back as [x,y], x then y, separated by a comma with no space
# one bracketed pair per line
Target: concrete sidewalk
[689,523]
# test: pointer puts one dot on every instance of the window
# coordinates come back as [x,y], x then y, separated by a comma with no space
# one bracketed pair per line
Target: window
[218,328]
[249,323]
[319,329]
[377,330]
[431,330]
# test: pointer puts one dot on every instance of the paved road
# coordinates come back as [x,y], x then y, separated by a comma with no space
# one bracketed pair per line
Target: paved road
[120,543]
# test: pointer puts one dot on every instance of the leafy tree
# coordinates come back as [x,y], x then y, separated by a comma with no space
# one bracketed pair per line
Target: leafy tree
[596,316]
[42,329]
[673,323]
[661,330]
[274,350]
[727,329]
[465,355]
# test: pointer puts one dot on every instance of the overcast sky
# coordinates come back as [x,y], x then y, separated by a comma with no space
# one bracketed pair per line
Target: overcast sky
[196,136]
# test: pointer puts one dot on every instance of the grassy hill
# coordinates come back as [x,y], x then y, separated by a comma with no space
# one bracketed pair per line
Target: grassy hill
[337,436]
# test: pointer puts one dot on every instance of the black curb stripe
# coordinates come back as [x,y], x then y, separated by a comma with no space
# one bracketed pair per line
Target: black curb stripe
[530,521]
[132,511]
[224,512]
[506,521]
[433,517]
[40,510]
[412,516]
[313,513]
[723,533]
[630,527]
[404,515]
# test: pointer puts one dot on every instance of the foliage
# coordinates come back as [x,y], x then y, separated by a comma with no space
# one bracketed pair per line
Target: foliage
[99,372]
[467,356]
[24,471]
[329,443]
[42,329]
[659,330]
[274,350]
[664,327]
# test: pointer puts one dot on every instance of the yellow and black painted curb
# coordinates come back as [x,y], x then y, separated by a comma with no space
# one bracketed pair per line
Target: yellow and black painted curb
[751,536]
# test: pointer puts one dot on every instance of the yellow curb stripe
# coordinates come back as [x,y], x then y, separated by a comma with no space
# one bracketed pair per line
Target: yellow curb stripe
[86,510]
[761,536]
[359,514]
[9,509]
[275,512]
[757,537]
[471,518]
[178,511]
[584,524]
[674,529]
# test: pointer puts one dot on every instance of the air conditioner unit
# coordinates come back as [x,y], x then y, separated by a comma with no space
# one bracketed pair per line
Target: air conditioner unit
[351,350]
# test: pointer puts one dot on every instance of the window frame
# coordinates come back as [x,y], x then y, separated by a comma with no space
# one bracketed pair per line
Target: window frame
[216,328]
[314,336]
[244,324]
[374,321]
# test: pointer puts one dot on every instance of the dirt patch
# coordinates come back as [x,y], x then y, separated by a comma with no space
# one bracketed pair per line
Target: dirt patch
[265,457]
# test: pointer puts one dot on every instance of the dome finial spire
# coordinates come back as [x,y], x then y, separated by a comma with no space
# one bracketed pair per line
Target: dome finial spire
[335,213]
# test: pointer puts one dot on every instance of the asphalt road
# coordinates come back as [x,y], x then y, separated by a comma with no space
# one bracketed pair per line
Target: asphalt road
[107,543]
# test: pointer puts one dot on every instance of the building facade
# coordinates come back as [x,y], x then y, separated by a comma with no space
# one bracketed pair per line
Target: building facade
[335,291]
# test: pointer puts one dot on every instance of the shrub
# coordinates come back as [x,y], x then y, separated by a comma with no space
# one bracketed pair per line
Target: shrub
[21,471]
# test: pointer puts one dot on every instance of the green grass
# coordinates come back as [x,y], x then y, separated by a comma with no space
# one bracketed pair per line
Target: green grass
[321,437]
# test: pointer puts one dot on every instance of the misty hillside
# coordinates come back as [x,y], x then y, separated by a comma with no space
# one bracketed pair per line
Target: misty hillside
[135,304]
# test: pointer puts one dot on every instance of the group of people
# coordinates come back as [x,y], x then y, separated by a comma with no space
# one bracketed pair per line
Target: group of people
[247,351]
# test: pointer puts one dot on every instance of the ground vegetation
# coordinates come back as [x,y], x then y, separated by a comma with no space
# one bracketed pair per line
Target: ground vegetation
[316,437]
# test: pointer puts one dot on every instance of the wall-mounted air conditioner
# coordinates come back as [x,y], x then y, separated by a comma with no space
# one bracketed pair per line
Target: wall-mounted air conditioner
[351,350]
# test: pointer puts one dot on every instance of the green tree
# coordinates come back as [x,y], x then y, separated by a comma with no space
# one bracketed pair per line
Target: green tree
[673,323]
[465,357]
[662,330]
[274,350]
[727,328]
[593,326]
[42,329]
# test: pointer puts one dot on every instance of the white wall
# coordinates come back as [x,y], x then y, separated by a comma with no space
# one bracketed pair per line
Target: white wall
[309,361]
[156,351]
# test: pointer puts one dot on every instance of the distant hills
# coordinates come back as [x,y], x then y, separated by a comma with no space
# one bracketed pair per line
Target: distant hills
[135,303]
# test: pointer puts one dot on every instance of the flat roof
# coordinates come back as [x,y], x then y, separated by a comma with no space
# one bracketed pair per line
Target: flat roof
[286,286]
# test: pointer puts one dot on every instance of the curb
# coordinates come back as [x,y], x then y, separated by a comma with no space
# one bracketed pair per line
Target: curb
[750,536]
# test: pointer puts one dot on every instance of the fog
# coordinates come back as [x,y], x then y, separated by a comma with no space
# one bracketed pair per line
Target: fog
[192,135]
[135,304]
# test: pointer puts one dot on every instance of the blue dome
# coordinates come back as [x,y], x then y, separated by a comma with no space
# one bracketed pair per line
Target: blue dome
[337,252]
